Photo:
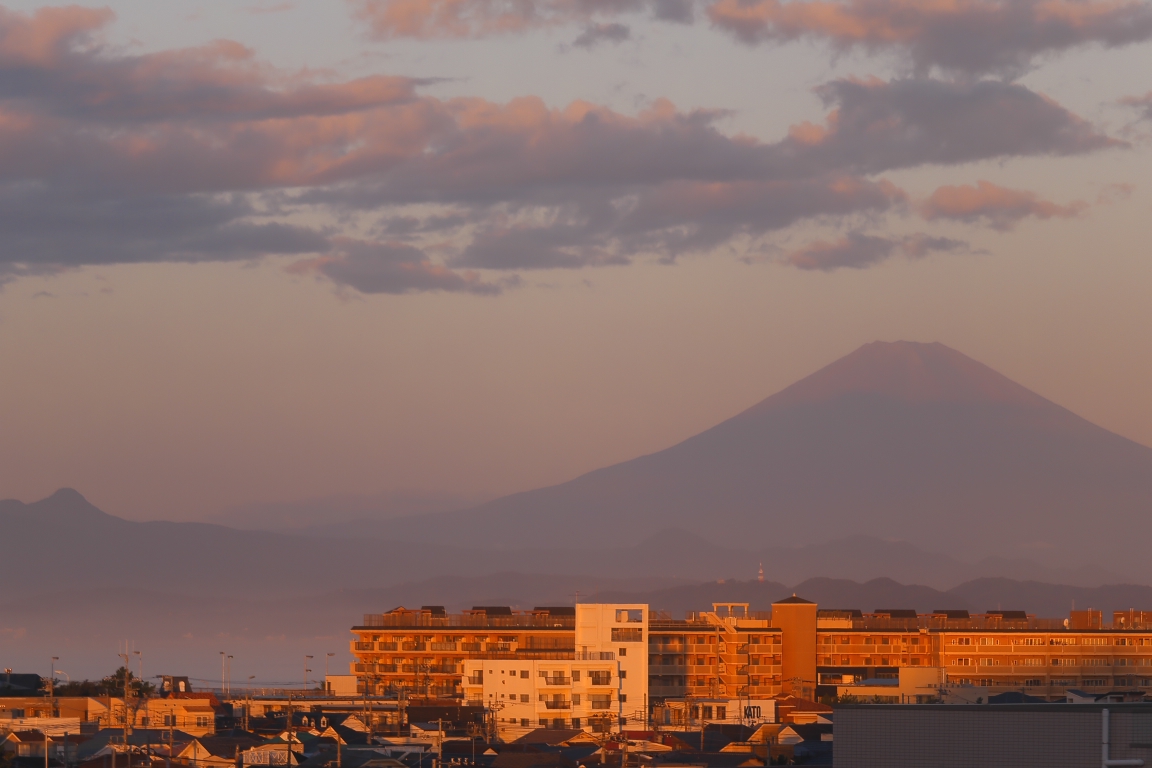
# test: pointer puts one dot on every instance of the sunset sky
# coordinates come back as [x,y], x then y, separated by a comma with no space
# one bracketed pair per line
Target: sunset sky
[274,251]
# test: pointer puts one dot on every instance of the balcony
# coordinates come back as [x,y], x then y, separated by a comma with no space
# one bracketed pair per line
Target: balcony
[562,704]
[388,646]
[665,691]
[476,680]
[558,680]
[499,647]
[604,678]
[595,656]
[598,703]
[364,646]
[667,669]
[472,647]
[443,646]
[414,646]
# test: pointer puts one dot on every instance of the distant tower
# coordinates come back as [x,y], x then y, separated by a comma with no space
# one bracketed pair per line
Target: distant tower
[760,577]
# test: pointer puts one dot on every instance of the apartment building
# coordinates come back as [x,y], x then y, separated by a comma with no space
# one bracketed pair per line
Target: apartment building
[726,653]
[731,654]
[1006,650]
[603,684]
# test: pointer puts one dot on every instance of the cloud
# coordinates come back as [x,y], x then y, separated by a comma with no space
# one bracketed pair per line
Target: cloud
[971,37]
[998,207]
[51,226]
[482,18]
[857,251]
[594,34]
[209,154]
[396,268]
[878,126]
[1141,103]
[1114,193]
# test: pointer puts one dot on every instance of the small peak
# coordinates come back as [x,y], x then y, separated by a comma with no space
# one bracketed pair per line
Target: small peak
[67,494]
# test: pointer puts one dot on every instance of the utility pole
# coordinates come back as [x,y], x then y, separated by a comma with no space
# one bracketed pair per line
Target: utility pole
[228,687]
[221,674]
[326,657]
[306,671]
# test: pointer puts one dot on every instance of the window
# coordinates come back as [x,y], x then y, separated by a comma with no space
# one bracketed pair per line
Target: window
[543,722]
[575,699]
[524,674]
[623,698]
[623,674]
[524,722]
[961,641]
[630,616]
[707,712]
[575,675]
[523,698]
[627,635]
[575,722]
[721,713]
[201,721]
[962,662]
[623,651]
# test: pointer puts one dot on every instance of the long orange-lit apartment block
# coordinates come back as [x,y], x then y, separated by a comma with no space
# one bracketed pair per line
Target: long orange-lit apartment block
[731,654]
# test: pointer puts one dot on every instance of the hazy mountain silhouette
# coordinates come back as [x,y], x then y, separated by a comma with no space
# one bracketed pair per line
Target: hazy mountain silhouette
[896,440]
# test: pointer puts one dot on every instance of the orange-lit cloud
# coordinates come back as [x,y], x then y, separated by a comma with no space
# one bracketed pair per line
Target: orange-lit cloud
[998,207]
[972,36]
[208,153]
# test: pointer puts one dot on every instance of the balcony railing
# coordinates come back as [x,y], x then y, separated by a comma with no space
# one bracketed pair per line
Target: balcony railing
[414,647]
[558,704]
[499,647]
[388,646]
[471,647]
[558,681]
[364,646]
[474,620]
[667,669]
[476,680]
[600,704]
[594,679]
[595,656]
[443,646]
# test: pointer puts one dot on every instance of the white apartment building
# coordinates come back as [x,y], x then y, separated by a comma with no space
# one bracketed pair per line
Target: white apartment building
[599,687]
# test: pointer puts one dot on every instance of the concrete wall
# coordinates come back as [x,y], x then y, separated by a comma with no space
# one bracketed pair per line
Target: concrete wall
[1020,736]
[797,624]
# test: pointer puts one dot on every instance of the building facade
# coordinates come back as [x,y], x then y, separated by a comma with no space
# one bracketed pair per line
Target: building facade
[731,653]
[726,653]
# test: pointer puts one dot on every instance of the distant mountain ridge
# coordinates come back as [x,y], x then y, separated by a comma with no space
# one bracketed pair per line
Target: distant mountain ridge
[898,440]
[63,540]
